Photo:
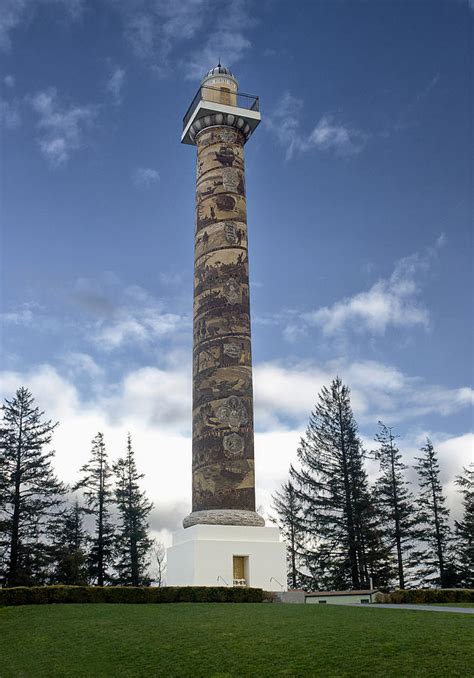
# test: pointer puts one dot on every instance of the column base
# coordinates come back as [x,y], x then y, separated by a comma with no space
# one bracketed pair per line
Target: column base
[210,555]
[224,517]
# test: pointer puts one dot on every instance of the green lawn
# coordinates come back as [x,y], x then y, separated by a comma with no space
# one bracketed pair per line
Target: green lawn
[222,640]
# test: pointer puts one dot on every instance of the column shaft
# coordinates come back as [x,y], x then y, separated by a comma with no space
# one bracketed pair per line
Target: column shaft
[223,445]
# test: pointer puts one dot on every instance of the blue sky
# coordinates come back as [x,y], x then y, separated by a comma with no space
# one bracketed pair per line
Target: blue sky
[359,183]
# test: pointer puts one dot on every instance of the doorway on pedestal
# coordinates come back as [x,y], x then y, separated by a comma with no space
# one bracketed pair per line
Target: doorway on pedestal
[240,570]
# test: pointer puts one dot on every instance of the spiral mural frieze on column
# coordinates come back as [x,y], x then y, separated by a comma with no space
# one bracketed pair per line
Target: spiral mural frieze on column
[223,454]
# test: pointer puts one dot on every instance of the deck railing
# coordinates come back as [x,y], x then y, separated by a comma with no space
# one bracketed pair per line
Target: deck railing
[219,95]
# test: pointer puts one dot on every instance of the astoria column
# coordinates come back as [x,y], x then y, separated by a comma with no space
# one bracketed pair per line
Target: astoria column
[219,122]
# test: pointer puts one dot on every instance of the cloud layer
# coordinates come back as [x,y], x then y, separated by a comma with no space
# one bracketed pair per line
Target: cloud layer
[391,302]
[115,84]
[155,405]
[144,177]
[14,12]
[160,31]
[62,127]
[327,135]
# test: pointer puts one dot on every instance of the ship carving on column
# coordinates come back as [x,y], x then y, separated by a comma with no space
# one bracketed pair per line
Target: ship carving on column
[219,122]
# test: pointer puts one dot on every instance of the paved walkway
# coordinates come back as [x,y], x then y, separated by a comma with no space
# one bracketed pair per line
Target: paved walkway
[425,608]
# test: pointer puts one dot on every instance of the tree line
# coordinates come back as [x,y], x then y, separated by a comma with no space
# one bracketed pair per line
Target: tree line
[340,531]
[343,533]
[44,538]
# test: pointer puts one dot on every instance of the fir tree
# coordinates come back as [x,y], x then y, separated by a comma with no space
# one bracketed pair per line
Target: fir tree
[96,483]
[394,502]
[465,529]
[69,548]
[380,566]
[333,486]
[290,520]
[132,540]
[30,493]
[435,567]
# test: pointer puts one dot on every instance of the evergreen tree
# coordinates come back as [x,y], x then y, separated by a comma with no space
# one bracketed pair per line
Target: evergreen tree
[132,540]
[380,562]
[465,529]
[332,484]
[96,483]
[30,493]
[4,522]
[435,567]
[290,520]
[394,502]
[69,548]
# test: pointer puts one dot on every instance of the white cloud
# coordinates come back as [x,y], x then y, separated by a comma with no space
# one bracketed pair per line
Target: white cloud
[294,332]
[144,177]
[110,315]
[159,32]
[14,12]
[126,315]
[331,136]
[285,123]
[171,279]
[454,453]
[62,127]
[23,315]
[9,114]
[78,363]
[154,397]
[142,325]
[227,45]
[275,451]
[115,84]
[287,394]
[327,135]
[153,28]
[390,302]
[9,81]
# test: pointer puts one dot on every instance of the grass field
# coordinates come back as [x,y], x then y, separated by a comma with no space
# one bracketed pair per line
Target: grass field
[223,640]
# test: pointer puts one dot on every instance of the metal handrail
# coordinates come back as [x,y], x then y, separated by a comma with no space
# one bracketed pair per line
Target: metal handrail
[253,104]
[219,577]
[279,584]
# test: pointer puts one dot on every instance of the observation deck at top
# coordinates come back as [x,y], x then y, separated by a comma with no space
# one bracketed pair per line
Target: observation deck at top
[220,105]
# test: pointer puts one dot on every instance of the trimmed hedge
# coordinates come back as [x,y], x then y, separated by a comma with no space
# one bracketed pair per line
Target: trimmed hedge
[44,595]
[427,596]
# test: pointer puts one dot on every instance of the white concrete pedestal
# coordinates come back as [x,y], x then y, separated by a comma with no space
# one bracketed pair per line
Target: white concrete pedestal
[203,555]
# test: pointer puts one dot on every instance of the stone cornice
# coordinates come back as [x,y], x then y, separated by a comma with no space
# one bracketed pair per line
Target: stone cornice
[217,120]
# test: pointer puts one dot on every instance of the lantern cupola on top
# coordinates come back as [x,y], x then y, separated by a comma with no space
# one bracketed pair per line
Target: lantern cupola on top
[219,102]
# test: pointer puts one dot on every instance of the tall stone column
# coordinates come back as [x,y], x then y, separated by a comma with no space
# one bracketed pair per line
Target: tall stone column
[225,542]
[223,436]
